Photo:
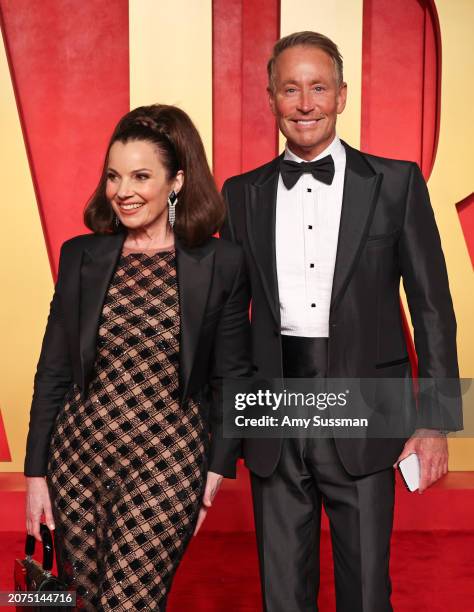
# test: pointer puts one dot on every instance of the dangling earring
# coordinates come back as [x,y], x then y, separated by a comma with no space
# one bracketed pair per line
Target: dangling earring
[172,201]
[116,222]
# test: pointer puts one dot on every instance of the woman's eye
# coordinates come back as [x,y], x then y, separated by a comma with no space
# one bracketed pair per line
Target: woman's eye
[142,177]
[110,176]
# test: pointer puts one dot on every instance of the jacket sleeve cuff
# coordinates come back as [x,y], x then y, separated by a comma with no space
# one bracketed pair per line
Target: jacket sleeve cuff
[223,456]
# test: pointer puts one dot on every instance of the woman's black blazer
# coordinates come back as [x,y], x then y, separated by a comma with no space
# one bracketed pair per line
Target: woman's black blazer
[214,335]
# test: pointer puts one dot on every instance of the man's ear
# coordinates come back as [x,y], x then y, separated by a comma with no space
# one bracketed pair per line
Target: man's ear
[271,99]
[341,98]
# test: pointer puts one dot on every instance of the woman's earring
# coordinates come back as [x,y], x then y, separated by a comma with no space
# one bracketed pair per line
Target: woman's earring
[117,221]
[172,201]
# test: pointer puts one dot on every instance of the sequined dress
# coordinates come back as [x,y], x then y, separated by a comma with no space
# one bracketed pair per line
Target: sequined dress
[127,465]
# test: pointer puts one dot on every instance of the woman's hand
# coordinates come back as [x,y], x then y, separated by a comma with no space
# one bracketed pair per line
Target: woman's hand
[213,483]
[38,504]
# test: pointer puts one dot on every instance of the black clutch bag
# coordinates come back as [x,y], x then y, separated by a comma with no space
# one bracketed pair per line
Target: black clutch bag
[29,575]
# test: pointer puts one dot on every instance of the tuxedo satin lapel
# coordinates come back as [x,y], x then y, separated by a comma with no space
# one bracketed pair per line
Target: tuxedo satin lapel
[361,189]
[98,265]
[261,221]
[194,270]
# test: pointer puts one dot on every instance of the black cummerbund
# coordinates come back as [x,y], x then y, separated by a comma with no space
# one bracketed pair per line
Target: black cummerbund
[304,357]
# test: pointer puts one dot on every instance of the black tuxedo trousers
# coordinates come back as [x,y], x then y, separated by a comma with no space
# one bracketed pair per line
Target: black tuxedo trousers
[287,509]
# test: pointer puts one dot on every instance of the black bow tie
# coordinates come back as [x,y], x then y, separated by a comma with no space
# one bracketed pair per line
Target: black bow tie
[321,169]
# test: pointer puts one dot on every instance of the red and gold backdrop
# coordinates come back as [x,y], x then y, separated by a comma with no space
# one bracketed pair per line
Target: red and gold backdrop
[69,70]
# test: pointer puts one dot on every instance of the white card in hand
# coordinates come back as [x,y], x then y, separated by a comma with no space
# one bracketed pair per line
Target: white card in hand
[410,471]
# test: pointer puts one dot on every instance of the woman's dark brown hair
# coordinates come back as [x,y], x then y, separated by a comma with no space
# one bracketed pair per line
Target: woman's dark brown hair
[200,210]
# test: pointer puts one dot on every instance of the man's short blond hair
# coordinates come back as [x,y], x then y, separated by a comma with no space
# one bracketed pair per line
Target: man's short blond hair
[307,39]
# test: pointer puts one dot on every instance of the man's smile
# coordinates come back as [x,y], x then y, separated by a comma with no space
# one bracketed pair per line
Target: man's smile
[306,122]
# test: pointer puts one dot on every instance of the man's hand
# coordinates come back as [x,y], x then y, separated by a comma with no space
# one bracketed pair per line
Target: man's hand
[213,483]
[431,447]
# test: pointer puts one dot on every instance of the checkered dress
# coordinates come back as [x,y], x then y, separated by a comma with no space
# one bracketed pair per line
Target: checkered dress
[127,465]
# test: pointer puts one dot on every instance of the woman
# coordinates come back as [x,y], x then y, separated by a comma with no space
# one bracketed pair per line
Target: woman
[149,314]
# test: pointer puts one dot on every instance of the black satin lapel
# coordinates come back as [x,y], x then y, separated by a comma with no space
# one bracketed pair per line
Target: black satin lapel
[358,206]
[261,222]
[97,268]
[194,281]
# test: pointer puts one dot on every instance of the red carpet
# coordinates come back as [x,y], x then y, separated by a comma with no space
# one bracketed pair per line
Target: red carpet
[431,571]
[432,550]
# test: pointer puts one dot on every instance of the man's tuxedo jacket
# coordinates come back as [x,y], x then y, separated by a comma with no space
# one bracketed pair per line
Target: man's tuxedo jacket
[387,231]
[214,335]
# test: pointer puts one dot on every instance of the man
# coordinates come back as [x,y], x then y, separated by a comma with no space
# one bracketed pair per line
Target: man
[326,245]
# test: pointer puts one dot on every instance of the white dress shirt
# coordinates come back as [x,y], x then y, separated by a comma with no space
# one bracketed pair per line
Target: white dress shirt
[307,229]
